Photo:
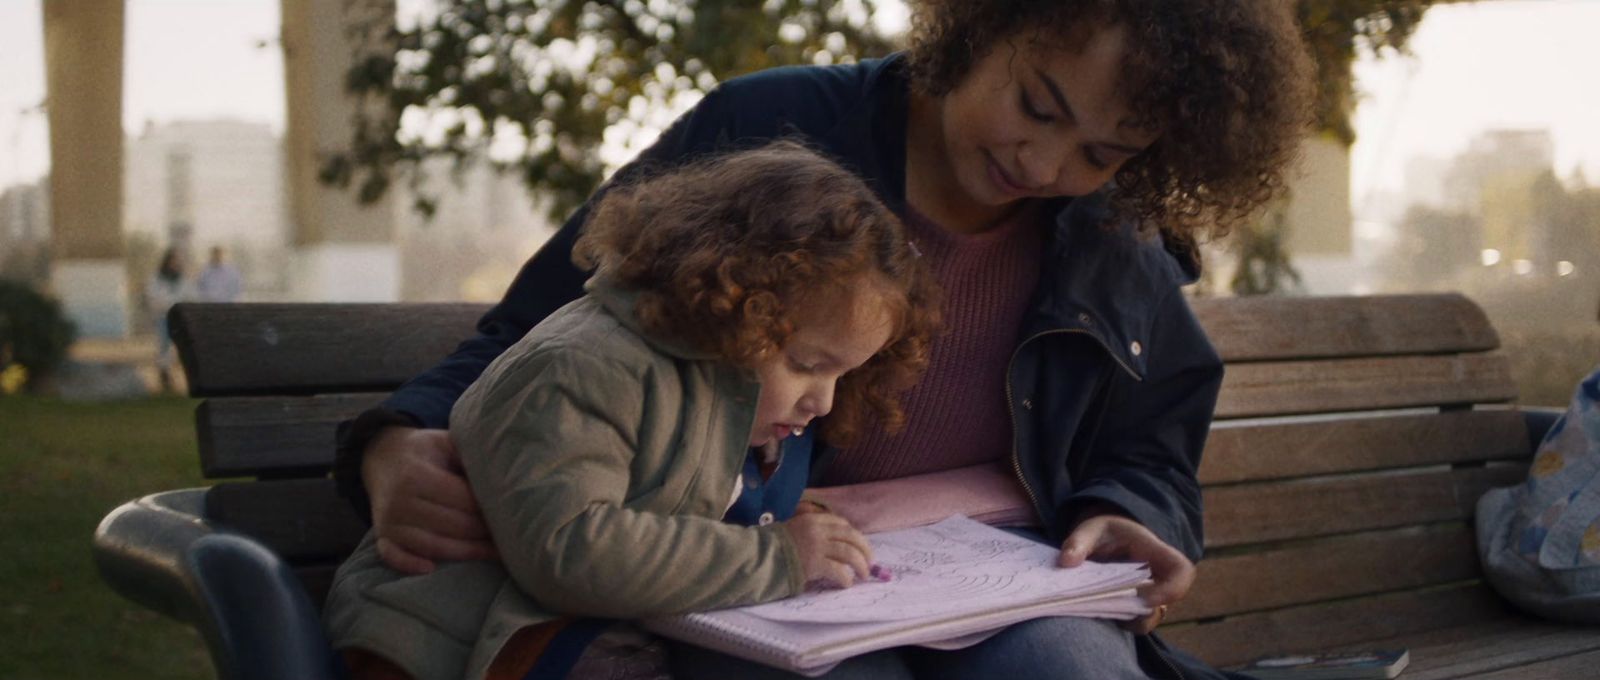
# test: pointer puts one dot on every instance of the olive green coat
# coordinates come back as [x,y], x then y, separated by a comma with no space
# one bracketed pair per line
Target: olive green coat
[603,461]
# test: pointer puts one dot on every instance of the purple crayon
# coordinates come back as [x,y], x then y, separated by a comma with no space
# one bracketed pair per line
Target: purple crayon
[881,573]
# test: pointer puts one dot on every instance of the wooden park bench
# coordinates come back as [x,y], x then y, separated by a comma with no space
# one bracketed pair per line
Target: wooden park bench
[1353,439]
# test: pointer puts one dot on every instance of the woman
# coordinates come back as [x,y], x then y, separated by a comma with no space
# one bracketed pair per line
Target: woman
[1056,162]
[165,288]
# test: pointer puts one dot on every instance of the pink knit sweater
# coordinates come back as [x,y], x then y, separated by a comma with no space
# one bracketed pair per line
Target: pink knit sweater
[957,415]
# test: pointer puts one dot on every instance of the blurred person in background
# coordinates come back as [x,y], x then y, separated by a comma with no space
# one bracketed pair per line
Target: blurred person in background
[220,280]
[166,287]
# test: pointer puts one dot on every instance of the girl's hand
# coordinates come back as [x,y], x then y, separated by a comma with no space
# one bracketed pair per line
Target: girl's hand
[806,507]
[1107,536]
[831,551]
[422,508]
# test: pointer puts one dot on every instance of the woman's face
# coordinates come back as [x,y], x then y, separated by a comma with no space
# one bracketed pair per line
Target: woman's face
[1035,121]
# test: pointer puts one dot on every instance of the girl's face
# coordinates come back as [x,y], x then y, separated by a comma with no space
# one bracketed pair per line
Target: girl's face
[1034,121]
[836,337]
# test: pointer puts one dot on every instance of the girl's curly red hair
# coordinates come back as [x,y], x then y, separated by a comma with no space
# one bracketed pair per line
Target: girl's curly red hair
[727,252]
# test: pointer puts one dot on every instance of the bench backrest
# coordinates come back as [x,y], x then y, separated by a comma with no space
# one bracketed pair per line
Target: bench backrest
[1353,437]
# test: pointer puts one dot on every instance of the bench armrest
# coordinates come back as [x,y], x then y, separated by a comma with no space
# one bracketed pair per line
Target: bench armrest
[161,552]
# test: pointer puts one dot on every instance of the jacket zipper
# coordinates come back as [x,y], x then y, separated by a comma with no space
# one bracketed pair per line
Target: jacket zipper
[1011,405]
[1168,661]
[1016,457]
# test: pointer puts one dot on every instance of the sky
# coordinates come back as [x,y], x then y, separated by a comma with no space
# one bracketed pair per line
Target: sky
[1524,64]
[1475,66]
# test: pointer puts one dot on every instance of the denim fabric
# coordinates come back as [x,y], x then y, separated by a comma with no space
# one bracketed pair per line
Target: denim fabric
[1061,647]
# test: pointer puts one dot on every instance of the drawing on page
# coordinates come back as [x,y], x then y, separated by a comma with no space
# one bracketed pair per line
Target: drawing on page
[951,566]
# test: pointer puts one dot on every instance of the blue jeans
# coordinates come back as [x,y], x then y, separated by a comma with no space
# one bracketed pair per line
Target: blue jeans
[1063,647]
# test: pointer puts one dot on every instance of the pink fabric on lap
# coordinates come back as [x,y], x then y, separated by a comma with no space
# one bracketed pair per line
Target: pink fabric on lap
[989,493]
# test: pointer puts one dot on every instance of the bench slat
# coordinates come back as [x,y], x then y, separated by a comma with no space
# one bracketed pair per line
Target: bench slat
[242,436]
[1582,665]
[1262,451]
[1323,506]
[1330,569]
[304,348]
[1336,624]
[307,348]
[1300,387]
[1277,328]
[303,520]
[245,436]
[1467,651]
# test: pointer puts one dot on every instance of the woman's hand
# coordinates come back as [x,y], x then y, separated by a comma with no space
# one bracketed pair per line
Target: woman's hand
[831,551]
[1110,536]
[422,508]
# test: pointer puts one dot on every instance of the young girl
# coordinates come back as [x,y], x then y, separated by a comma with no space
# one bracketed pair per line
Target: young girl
[1055,162]
[734,301]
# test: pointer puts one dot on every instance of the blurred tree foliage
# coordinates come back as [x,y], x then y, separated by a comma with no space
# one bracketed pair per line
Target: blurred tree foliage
[534,84]
[34,334]
[1337,31]
[539,82]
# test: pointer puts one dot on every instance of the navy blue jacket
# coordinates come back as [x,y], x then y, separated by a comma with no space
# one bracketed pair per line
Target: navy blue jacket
[1111,389]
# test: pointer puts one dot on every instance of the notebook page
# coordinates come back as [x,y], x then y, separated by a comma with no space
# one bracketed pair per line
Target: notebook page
[958,565]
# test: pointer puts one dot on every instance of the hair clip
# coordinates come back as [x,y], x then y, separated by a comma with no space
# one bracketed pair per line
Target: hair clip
[914,251]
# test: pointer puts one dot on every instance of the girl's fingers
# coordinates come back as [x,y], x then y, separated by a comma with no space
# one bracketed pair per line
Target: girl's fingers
[808,507]
[851,556]
[846,575]
[855,539]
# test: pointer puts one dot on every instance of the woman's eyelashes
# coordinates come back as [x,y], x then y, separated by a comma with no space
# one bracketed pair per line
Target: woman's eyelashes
[1031,110]
[1090,155]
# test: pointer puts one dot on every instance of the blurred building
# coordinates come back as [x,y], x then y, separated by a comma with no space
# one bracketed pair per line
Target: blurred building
[198,184]
[1492,158]
[485,225]
[1494,180]
[1320,240]
[25,232]
[24,214]
[223,179]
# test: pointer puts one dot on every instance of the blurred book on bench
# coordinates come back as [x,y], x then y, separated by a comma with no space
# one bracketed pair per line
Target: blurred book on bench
[1364,665]
[953,584]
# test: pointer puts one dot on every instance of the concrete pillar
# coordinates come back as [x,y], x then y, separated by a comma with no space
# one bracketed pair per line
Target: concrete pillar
[83,71]
[342,250]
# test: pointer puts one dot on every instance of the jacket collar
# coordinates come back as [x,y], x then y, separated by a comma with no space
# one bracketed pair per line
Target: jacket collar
[620,303]
[1107,281]
[871,135]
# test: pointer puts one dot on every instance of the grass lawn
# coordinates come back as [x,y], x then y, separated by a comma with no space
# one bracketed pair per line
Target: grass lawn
[62,467]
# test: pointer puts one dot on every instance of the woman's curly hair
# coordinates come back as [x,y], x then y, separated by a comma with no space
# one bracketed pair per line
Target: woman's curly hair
[1228,83]
[727,253]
